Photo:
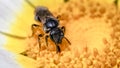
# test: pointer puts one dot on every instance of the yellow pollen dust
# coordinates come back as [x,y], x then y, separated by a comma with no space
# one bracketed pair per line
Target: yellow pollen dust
[92,27]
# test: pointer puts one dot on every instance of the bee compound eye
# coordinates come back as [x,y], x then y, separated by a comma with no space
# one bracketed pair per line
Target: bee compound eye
[37,18]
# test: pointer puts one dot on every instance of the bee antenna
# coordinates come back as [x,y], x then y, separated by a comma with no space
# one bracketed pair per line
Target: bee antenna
[13,36]
[30,4]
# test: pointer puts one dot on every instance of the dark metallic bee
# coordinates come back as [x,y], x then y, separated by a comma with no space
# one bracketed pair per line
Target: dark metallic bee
[50,25]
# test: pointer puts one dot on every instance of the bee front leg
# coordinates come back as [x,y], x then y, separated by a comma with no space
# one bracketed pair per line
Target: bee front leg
[46,39]
[34,27]
[39,36]
[58,50]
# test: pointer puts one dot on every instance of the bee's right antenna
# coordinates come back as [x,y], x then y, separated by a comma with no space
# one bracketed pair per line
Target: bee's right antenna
[30,4]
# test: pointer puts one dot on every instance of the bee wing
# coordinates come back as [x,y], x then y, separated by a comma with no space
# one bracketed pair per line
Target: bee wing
[8,13]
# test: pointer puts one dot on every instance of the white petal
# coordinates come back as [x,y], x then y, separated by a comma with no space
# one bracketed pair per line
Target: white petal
[8,13]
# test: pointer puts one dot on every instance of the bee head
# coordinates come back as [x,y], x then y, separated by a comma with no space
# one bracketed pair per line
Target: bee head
[41,13]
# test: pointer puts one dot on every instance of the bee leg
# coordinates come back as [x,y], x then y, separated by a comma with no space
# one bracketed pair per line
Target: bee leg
[58,50]
[63,28]
[46,39]
[39,36]
[33,27]
[67,40]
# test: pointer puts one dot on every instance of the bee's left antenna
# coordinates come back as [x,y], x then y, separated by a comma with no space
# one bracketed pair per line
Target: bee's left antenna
[30,4]
[13,36]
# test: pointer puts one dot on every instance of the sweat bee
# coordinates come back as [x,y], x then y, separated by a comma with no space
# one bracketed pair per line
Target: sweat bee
[50,25]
